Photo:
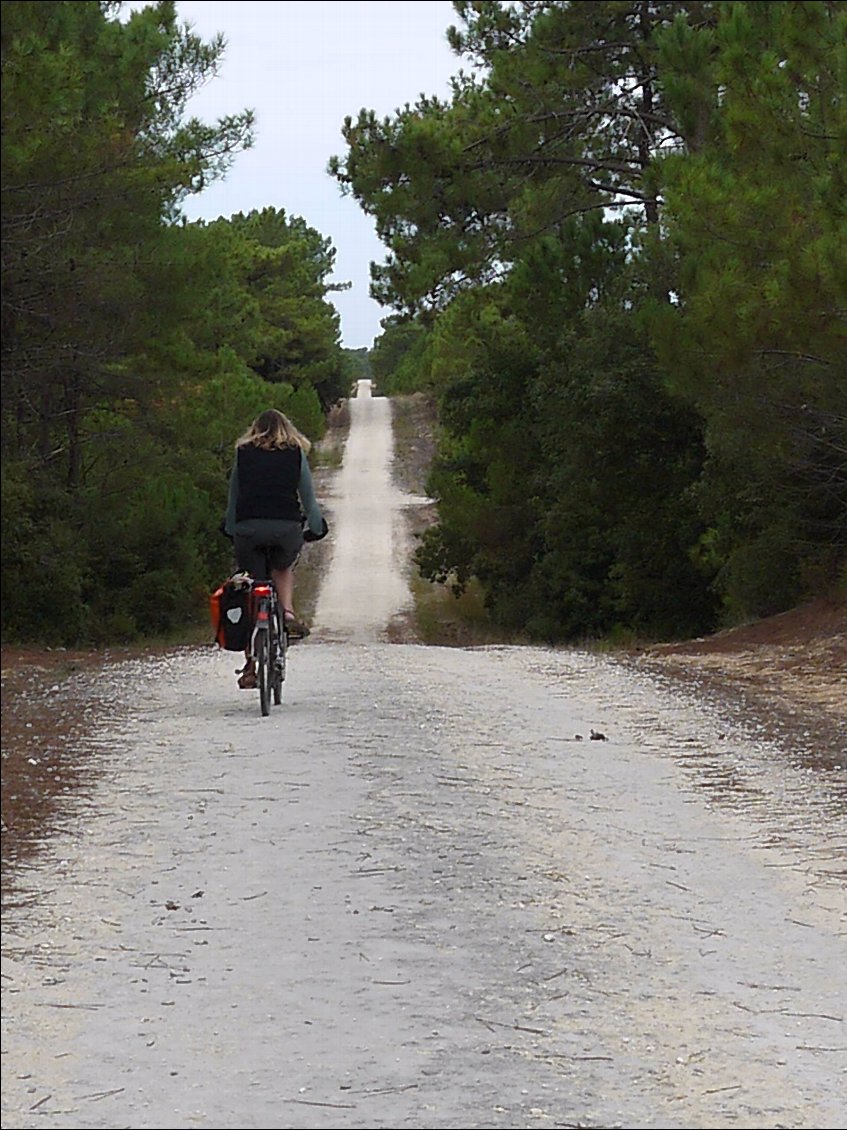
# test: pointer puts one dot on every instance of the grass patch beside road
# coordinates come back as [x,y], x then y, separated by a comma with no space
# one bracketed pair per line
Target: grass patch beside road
[453,621]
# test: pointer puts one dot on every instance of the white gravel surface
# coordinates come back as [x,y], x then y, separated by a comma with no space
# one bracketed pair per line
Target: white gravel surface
[412,898]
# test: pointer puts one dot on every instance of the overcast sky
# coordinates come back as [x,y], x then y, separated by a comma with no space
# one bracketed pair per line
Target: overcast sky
[303,67]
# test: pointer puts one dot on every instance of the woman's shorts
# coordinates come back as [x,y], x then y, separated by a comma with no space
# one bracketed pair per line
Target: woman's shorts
[264,545]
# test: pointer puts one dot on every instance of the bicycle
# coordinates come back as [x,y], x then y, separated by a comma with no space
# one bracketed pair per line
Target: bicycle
[268,644]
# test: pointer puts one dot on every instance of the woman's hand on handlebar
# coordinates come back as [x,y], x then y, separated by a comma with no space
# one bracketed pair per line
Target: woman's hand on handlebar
[310,535]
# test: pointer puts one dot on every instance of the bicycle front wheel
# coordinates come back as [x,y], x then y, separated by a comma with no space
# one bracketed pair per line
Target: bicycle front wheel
[263,671]
[280,646]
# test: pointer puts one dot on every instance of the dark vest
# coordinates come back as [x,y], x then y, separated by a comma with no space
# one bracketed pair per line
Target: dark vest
[267,483]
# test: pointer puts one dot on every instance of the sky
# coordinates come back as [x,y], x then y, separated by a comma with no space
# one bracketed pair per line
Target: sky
[303,67]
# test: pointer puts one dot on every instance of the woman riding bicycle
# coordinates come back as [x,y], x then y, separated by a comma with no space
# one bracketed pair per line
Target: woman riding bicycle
[270,491]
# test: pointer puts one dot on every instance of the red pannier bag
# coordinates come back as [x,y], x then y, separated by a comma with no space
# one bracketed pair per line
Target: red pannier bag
[231,611]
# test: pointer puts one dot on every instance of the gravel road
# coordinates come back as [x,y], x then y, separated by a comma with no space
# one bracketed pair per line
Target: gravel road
[413,897]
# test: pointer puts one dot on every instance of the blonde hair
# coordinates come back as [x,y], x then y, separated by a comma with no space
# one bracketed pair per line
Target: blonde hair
[272,430]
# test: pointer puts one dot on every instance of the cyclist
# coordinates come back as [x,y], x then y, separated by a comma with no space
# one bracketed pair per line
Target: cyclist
[271,494]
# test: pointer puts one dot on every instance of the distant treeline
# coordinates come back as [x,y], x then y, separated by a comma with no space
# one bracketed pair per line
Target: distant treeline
[620,255]
[136,346]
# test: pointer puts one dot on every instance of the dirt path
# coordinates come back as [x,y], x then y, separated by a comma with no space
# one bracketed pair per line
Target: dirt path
[365,587]
[412,897]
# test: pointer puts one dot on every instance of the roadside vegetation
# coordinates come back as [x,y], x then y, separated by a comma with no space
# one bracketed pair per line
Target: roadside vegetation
[617,255]
[443,613]
[136,346]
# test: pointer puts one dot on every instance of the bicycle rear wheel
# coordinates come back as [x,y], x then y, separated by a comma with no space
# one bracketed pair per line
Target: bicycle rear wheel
[263,668]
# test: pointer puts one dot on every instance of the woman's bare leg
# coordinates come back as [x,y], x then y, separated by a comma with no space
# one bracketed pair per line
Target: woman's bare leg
[284,583]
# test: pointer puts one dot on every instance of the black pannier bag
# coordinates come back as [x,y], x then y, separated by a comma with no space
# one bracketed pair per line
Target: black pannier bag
[231,610]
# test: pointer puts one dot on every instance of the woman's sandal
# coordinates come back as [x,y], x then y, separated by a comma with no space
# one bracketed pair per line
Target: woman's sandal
[296,629]
[247,678]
